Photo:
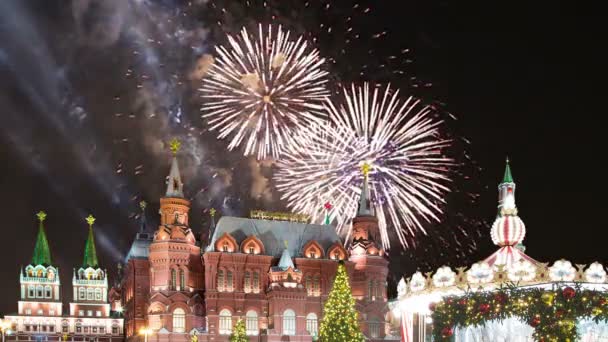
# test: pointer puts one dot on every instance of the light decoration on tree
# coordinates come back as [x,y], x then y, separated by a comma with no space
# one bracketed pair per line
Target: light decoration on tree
[239,333]
[340,318]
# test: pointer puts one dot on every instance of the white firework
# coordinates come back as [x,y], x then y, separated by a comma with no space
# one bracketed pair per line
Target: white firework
[400,139]
[261,89]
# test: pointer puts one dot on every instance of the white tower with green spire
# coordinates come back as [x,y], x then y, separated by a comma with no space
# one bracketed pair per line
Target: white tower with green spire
[90,282]
[40,285]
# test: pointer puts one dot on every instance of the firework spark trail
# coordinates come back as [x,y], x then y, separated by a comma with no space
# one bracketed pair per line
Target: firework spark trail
[262,88]
[401,139]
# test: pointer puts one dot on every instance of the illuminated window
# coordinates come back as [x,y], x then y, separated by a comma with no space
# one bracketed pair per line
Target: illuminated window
[98,313]
[90,313]
[28,311]
[225,322]
[374,328]
[39,290]
[251,323]
[80,312]
[225,247]
[182,280]
[312,324]
[31,291]
[220,280]
[256,282]
[97,294]
[289,322]
[309,285]
[173,279]
[51,312]
[316,285]
[229,281]
[90,294]
[179,320]
[47,292]
[82,294]
[40,312]
[247,282]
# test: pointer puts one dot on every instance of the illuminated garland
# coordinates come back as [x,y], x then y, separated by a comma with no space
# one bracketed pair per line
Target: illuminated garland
[552,313]
[279,216]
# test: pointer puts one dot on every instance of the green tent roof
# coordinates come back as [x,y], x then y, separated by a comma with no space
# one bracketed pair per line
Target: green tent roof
[42,252]
[507,178]
[90,252]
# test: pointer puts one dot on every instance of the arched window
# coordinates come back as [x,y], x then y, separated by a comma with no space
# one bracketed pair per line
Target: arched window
[39,293]
[229,281]
[90,294]
[98,294]
[182,280]
[31,291]
[289,322]
[256,282]
[225,247]
[247,282]
[316,285]
[225,322]
[40,273]
[82,293]
[220,280]
[47,292]
[374,328]
[179,320]
[173,280]
[309,285]
[312,324]
[251,323]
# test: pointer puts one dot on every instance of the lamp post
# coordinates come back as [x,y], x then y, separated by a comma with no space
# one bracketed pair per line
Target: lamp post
[5,328]
[143,331]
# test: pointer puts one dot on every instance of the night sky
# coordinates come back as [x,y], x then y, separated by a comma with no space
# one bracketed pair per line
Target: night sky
[91,90]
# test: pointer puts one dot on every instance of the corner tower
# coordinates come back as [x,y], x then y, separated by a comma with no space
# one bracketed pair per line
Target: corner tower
[40,286]
[176,274]
[371,267]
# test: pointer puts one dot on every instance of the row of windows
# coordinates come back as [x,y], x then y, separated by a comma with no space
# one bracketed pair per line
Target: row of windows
[40,312]
[182,280]
[252,328]
[43,328]
[89,313]
[39,291]
[89,294]
[65,329]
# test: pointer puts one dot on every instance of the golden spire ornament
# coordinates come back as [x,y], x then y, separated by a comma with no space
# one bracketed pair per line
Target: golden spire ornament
[143,205]
[41,216]
[365,168]
[90,220]
[174,145]
[212,212]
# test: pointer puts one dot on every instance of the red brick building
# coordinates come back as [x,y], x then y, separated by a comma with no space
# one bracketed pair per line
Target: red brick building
[273,274]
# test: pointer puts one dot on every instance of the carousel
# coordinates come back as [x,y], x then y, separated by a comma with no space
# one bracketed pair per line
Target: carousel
[509,296]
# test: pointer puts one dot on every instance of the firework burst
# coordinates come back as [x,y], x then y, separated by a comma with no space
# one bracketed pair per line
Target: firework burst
[400,139]
[260,89]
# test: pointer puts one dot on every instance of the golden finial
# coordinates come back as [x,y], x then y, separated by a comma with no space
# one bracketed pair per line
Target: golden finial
[143,205]
[90,220]
[174,145]
[41,216]
[212,212]
[365,168]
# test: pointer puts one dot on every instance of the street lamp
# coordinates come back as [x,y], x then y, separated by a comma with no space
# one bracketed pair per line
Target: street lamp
[5,328]
[143,331]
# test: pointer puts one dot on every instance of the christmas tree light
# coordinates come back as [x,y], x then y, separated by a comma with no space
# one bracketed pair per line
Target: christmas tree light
[239,334]
[339,322]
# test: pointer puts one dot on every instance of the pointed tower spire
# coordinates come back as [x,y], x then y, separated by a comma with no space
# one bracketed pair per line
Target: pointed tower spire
[90,252]
[328,208]
[42,252]
[142,219]
[364,200]
[286,262]
[212,213]
[175,187]
[507,178]
[506,192]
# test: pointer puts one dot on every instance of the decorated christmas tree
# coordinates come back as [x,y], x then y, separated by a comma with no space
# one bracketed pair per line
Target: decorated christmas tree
[339,322]
[239,334]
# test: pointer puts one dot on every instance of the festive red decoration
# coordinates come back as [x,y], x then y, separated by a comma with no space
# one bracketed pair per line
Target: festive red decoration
[462,302]
[568,292]
[535,322]
[447,332]
[327,206]
[484,308]
[500,298]
[602,301]
[559,313]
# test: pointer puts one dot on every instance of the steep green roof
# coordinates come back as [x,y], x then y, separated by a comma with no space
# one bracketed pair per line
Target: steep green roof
[90,252]
[42,252]
[507,178]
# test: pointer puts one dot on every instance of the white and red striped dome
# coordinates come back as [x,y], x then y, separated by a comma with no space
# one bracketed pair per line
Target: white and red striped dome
[508,230]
